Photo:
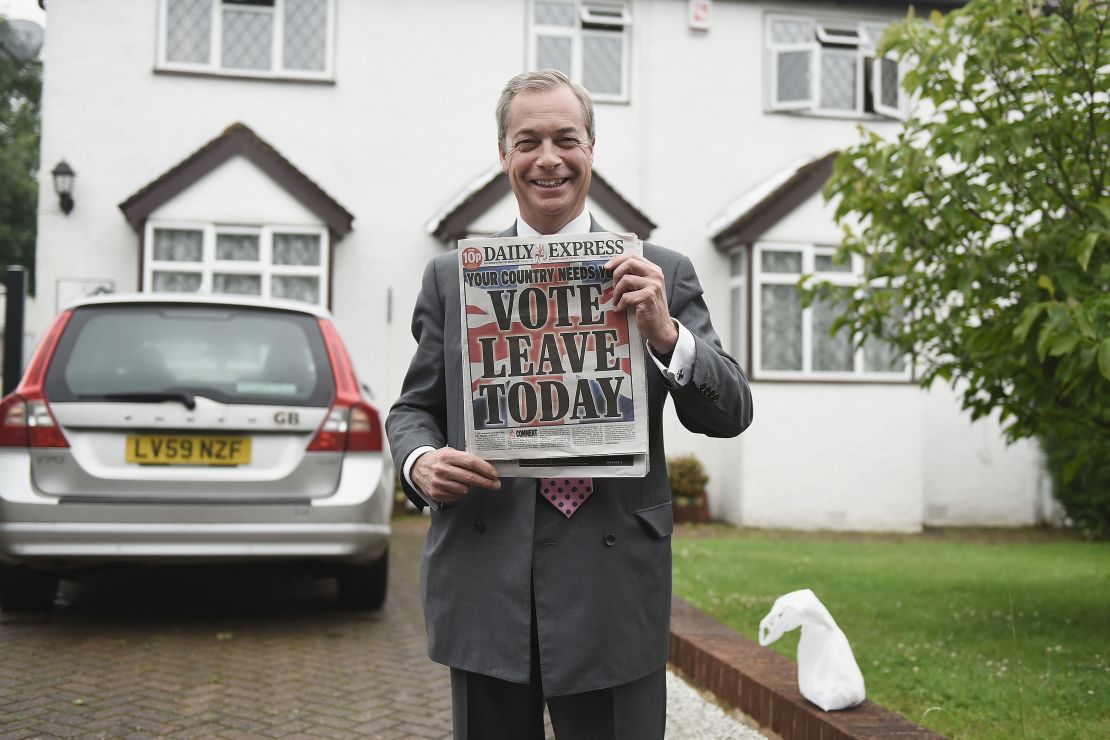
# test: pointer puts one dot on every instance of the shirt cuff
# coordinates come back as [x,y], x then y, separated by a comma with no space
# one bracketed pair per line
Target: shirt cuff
[679,370]
[409,462]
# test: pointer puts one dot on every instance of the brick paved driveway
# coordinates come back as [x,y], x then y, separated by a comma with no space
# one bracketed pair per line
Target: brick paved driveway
[228,653]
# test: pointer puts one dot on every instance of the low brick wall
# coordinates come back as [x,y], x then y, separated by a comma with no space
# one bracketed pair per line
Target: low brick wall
[764,684]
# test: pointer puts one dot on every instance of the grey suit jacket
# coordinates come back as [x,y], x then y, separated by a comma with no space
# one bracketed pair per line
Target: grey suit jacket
[601,580]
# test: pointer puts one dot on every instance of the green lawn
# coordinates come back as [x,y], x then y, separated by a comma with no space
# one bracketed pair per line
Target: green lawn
[929,619]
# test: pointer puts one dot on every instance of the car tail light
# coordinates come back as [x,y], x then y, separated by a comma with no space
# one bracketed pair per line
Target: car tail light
[353,428]
[25,417]
[352,425]
[27,422]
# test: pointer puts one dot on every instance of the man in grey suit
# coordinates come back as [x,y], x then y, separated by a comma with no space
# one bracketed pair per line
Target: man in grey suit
[525,604]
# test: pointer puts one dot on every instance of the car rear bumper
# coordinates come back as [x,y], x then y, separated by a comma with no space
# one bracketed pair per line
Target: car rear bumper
[350,526]
[70,544]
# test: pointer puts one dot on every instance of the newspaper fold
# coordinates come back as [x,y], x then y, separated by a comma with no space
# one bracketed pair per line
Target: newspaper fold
[553,376]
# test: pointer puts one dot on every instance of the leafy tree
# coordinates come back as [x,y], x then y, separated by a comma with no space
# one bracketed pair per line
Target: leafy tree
[20,88]
[984,224]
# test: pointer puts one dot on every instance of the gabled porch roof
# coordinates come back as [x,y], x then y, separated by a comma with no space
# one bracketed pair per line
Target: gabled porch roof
[237,140]
[748,217]
[454,220]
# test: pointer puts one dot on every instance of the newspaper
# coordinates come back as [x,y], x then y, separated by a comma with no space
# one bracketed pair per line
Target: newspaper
[554,376]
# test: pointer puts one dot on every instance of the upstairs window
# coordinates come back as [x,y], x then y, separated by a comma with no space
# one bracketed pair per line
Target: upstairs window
[830,68]
[256,38]
[586,41]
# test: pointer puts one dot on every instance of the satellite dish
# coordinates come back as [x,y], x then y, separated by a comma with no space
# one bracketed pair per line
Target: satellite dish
[20,39]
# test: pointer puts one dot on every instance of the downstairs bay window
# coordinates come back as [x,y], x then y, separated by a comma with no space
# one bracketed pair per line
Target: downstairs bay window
[264,261]
[790,342]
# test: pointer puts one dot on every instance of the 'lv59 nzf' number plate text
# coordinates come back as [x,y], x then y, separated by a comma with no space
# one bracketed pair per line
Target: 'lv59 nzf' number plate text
[164,449]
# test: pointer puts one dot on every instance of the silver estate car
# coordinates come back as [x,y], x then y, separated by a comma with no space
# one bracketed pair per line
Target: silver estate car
[191,429]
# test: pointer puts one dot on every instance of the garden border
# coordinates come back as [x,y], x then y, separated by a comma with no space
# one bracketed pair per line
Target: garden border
[764,684]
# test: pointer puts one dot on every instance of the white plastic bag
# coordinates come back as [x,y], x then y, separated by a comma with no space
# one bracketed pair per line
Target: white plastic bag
[827,671]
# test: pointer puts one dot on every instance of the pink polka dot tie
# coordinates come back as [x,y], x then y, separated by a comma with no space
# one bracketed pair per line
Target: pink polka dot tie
[566,494]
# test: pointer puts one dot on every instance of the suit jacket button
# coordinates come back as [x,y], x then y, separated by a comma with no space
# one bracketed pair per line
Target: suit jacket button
[479,527]
[610,539]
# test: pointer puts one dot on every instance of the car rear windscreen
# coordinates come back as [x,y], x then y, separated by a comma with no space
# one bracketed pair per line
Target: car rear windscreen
[229,354]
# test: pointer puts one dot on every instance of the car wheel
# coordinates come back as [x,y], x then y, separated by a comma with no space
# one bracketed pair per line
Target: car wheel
[363,586]
[23,589]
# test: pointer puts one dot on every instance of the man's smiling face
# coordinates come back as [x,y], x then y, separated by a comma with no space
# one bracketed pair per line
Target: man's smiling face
[548,157]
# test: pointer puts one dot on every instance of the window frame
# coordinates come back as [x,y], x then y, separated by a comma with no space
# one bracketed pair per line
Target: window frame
[584,19]
[780,48]
[277,71]
[739,287]
[264,267]
[850,278]
[897,112]
[867,62]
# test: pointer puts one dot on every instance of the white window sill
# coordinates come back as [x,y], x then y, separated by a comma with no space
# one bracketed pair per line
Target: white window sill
[769,376]
[243,74]
[835,115]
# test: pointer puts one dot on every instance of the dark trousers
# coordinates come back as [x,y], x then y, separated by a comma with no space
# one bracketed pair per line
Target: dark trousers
[487,708]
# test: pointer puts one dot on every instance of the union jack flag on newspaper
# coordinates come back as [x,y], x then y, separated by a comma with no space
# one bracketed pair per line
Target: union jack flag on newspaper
[576,356]
[545,350]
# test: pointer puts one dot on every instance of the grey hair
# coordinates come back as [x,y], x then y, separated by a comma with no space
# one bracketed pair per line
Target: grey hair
[544,79]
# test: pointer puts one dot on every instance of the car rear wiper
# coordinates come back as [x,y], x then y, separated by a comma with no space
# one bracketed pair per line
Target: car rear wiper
[188,400]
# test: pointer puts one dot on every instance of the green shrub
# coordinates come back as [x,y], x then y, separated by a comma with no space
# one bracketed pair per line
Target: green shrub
[687,476]
[1079,465]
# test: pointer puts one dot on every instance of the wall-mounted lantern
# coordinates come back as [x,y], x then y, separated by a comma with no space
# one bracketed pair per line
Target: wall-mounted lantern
[63,185]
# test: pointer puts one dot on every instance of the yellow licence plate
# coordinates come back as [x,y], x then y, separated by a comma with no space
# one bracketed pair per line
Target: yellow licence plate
[162,449]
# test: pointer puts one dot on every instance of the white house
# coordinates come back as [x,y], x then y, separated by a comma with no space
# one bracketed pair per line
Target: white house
[326,149]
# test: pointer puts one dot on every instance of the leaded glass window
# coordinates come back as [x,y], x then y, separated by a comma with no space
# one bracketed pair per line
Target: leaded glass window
[738,307]
[830,67]
[248,37]
[793,82]
[554,52]
[781,327]
[188,30]
[266,38]
[556,13]
[882,357]
[838,80]
[796,341]
[588,41]
[830,352]
[306,31]
[602,62]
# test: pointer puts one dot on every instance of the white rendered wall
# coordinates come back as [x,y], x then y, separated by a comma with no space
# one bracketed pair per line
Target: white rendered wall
[236,192]
[972,477]
[700,140]
[849,459]
[406,125]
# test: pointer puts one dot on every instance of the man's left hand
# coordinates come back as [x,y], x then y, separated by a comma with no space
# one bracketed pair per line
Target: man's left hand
[638,284]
